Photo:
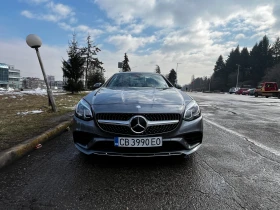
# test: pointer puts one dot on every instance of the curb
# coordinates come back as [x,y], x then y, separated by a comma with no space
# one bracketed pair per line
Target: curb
[10,155]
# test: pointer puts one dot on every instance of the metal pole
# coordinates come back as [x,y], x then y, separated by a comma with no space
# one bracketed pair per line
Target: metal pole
[237,75]
[50,96]
[209,83]
[177,73]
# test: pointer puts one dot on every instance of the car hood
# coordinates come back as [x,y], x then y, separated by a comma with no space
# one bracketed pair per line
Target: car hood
[105,96]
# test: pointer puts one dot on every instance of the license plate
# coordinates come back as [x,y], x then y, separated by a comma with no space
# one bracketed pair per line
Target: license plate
[138,142]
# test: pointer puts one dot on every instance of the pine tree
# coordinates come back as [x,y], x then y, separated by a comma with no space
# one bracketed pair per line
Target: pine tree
[220,64]
[219,78]
[157,69]
[73,68]
[245,69]
[92,62]
[275,51]
[125,67]
[231,68]
[273,74]
[95,76]
[172,76]
[261,59]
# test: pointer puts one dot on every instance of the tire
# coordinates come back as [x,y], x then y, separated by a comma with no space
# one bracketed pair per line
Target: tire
[256,94]
[266,96]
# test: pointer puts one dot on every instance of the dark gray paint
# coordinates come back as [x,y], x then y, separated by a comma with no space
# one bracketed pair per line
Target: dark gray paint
[133,96]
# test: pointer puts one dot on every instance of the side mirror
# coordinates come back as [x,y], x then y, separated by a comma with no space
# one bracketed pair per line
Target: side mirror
[178,86]
[97,85]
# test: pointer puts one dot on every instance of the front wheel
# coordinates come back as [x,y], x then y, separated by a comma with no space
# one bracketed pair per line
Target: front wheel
[256,94]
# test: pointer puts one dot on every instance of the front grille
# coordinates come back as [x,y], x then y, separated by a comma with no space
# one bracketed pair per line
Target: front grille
[128,116]
[160,129]
[125,130]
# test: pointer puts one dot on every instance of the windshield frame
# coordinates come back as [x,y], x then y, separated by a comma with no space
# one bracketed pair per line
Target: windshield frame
[108,82]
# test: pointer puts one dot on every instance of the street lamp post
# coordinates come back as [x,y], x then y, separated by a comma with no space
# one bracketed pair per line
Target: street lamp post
[237,75]
[177,73]
[35,42]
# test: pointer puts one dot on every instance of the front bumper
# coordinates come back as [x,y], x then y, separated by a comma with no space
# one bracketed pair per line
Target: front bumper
[186,139]
[133,154]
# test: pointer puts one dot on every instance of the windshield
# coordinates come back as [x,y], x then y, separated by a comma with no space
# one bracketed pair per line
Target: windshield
[137,80]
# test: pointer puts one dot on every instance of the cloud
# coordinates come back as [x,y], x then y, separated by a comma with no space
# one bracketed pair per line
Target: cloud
[110,28]
[240,36]
[64,16]
[168,13]
[26,59]
[54,13]
[60,10]
[128,43]
[167,61]
[165,32]
[73,20]
[88,30]
[66,26]
[135,28]
[27,14]
[217,35]
[36,1]
[262,18]
[125,11]
[192,38]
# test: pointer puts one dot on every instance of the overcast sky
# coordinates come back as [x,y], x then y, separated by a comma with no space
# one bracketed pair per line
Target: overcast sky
[152,32]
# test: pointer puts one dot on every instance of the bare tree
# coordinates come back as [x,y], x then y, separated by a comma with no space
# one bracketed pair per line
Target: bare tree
[157,69]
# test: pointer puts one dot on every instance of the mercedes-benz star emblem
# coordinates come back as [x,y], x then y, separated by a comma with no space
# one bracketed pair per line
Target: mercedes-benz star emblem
[138,124]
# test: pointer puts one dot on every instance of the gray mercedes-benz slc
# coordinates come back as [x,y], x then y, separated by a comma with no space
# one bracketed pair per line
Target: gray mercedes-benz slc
[137,114]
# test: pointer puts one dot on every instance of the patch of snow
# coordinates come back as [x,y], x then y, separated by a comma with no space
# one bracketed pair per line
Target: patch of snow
[57,94]
[36,112]
[72,108]
[10,93]
[13,97]
[37,91]
[30,112]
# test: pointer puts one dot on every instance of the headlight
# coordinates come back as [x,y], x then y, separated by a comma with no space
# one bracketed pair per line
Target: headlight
[83,111]
[192,111]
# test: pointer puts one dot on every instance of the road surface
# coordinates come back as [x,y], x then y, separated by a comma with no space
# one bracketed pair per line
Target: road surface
[237,167]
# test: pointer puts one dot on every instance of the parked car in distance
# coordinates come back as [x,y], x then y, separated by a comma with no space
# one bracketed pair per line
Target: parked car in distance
[233,90]
[241,90]
[267,89]
[245,92]
[249,92]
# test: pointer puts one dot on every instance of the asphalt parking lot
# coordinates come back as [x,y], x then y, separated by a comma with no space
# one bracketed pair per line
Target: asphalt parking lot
[237,167]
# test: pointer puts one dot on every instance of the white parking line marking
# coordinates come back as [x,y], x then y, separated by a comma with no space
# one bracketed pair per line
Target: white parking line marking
[275,152]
